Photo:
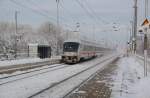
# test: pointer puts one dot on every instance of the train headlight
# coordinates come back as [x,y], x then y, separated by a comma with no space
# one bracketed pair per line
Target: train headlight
[75,59]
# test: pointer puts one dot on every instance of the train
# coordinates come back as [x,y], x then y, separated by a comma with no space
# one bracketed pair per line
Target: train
[76,50]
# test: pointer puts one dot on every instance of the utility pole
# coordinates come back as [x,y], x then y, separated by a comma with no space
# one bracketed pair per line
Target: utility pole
[77,30]
[49,27]
[57,1]
[130,40]
[145,52]
[16,32]
[145,40]
[135,26]
[93,32]
[146,8]
[131,37]
[77,27]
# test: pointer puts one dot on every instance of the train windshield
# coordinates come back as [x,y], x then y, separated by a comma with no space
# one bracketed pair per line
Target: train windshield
[70,47]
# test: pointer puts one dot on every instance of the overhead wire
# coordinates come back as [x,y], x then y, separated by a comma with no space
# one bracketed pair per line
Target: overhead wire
[33,10]
[43,13]
[87,12]
[94,13]
[43,10]
[68,12]
[46,12]
[74,18]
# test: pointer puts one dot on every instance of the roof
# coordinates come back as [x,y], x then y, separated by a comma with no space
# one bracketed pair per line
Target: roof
[85,42]
[73,40]
[33,44]
[36,44]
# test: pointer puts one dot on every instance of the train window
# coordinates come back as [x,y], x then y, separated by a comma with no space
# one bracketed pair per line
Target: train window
[70,47]
[88,48]
[85,48]
[81,46]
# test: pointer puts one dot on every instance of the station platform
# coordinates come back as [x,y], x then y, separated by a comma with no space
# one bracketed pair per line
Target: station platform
[28,61]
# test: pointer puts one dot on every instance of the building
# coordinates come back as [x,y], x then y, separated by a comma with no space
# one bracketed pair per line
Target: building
[38,50]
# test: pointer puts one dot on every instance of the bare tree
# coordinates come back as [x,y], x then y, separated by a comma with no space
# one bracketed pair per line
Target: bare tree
[52,34]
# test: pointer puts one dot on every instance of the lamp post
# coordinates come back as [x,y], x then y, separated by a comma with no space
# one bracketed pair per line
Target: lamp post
[145,51]
[146,8]
[57,1]
[131,35]
[16,32]
[135,26]
[144,32]
[145,40]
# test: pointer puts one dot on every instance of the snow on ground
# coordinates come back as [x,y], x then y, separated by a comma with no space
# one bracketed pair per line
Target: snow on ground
[64,88]
[130,81]
[142,88]
[26,87]
[29,73]
[25,61]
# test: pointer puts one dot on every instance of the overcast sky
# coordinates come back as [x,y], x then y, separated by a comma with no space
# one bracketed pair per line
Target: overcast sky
[105,15]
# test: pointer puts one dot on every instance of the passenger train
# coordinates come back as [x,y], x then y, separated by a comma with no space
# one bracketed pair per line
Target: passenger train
[75,50]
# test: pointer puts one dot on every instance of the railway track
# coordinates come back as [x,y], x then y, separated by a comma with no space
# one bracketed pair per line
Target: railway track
[99,86]
[56,85]
[47,68]
[11,69]
[15,77]
[27,74]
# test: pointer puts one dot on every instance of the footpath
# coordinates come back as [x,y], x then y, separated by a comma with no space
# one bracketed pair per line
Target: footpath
[123,78]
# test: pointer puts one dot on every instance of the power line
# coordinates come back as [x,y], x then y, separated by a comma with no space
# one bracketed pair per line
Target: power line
[33,10]
[94,12]
[68,12]
[75,18]
[46,12]
[83,7]
[86,11]
[32,2]
[36,11]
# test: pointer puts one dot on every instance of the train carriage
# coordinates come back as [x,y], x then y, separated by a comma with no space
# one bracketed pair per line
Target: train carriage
[75,50]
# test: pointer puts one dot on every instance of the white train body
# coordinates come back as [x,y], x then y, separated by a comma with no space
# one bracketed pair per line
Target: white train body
[75,50]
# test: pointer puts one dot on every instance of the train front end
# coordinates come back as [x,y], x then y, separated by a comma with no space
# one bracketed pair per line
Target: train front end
[70,52]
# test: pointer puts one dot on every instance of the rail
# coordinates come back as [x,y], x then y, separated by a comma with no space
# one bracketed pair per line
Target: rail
[72,76]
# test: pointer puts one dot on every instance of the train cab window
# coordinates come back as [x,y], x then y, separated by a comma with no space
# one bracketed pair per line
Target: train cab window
[70,47]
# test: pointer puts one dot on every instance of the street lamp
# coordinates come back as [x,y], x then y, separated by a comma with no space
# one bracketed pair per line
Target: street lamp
[145,50]
[135,25]
[16,33]
[57,1]
[144,32]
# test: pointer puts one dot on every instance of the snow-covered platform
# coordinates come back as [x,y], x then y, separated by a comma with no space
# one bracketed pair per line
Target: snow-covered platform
[13,63]
[60,80]
[126,80]
[121,79]
[129,81]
